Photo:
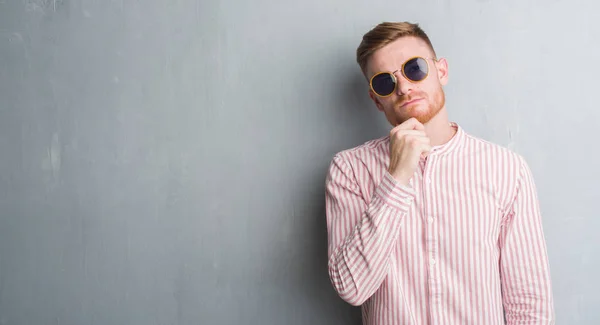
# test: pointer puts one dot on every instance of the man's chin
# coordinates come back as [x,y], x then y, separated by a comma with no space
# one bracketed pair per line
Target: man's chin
[423,119]
[423,116]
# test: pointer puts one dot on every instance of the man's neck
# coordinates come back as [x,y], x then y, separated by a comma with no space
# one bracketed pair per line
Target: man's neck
[439,128]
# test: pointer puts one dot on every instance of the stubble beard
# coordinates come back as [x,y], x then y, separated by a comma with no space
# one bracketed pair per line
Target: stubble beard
[434,108]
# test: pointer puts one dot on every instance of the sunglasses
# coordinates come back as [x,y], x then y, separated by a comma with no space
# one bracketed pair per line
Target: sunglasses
[384,83]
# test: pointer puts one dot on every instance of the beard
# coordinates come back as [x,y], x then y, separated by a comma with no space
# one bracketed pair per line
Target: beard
[418,110]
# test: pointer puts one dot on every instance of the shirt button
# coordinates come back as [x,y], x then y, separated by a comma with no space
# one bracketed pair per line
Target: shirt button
[428,180]
[432,261]
[430,220]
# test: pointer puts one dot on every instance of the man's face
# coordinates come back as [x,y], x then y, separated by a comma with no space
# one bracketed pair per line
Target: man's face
[422,100]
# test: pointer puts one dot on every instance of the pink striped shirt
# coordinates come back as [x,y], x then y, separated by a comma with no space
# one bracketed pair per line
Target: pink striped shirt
[462,244]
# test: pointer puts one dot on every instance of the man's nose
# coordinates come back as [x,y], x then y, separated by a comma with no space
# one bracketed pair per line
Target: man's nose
[405,86]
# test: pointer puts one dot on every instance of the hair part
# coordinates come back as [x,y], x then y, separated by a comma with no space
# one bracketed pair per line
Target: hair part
[384,34]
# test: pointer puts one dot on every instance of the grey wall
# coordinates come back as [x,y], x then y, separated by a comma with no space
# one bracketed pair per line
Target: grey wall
[163,162]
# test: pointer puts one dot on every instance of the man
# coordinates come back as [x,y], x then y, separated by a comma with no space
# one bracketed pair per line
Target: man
[431,225]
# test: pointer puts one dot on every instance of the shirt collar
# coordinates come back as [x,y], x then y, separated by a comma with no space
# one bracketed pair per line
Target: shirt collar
[453,144]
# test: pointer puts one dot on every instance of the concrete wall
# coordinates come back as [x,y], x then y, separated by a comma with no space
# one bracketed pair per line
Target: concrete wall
[163,162]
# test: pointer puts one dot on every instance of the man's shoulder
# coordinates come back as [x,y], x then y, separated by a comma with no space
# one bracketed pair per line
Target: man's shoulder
[369,149]
[493,150]
[362,162]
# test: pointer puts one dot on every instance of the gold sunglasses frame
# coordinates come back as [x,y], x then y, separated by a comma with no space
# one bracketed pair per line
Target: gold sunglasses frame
[393,74]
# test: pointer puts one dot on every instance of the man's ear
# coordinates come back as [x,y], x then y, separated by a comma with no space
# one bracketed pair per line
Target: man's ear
[375,100]
[442,71]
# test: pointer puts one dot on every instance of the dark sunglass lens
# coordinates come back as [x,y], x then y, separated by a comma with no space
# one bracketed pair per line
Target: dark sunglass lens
[416,69]
[383,84]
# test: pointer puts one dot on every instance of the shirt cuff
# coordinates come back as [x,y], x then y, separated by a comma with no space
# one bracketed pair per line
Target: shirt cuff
[394,194]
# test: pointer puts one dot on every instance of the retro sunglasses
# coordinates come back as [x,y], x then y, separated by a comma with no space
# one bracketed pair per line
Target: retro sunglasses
[384,83]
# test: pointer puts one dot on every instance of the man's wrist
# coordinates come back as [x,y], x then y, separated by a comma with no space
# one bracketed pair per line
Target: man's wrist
[400,177]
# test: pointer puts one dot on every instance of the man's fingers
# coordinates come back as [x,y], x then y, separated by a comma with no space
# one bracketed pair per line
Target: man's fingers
[418,125]
[410,124]
[401,133]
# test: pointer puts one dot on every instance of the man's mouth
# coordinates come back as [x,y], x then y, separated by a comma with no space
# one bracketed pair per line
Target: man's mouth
[412,101]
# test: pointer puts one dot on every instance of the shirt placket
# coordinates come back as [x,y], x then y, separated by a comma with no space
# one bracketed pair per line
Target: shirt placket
[431,236]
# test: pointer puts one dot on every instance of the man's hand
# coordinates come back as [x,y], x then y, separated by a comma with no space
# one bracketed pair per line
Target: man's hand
[408,142]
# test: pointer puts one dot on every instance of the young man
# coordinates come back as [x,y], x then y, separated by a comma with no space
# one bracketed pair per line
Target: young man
[431,225]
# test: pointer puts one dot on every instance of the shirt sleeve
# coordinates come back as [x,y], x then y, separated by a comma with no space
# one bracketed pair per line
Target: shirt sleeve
[361,234]
[524,267]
